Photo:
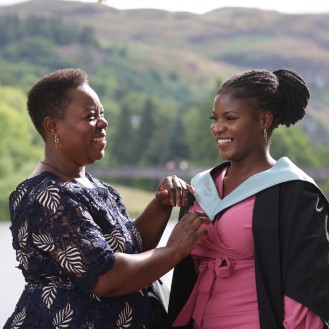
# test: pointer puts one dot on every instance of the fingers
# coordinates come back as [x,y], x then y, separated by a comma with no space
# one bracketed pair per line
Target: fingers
[188,231]
[194,221]
[178,192]
[196,218]
[177,189]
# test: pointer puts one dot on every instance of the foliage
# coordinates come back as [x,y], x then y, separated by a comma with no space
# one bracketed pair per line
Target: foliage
[18,144]
[155,91]
[295,144]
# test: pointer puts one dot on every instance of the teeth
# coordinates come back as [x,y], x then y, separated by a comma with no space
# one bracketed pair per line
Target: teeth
[224,141]
[99,139]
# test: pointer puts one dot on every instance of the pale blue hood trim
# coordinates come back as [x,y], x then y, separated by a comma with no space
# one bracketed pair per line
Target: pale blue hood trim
[207,196]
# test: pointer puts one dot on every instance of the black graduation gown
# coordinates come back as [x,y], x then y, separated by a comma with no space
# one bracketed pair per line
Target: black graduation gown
[290,229]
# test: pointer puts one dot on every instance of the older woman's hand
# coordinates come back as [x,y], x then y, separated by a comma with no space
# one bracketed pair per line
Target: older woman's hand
[172,191]
[187,232]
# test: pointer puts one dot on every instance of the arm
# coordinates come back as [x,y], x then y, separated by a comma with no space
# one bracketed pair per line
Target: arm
[133,272]
[151,223]
[76,244]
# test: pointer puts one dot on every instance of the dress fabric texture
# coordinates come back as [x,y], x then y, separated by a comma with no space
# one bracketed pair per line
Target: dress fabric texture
[270,303]
[65,236]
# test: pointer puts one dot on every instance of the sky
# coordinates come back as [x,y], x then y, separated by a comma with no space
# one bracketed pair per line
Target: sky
[203,6]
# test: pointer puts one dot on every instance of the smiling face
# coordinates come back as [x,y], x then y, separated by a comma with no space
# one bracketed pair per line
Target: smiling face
[238,128]
[82,130]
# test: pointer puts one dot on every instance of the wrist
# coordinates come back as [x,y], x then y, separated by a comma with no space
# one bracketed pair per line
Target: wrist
[162,204]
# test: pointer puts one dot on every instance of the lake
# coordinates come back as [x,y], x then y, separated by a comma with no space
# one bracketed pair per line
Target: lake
[11,278]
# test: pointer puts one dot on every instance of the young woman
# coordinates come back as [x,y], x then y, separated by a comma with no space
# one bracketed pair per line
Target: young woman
[264,263]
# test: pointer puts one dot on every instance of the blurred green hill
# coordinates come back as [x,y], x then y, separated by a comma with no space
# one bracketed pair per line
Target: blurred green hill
[156,73]
[179,55]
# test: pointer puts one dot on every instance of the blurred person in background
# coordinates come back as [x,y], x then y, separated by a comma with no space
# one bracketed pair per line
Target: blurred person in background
[264,263]
[86,263]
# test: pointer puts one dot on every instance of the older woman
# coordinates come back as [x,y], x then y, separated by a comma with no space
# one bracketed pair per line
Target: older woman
[264,263]
[85,262]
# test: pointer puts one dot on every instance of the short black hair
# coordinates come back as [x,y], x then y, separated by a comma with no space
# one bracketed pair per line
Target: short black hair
[282,92]
[48,97]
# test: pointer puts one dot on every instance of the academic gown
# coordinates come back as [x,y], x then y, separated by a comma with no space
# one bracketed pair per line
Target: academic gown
[290,229]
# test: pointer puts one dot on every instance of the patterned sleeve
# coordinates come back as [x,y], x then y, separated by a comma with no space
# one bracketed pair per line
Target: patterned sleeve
[67,232]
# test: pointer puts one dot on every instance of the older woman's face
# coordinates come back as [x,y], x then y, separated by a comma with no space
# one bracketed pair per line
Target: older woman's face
[82,130]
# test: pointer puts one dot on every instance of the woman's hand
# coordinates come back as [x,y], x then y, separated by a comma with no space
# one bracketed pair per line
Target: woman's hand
[172,191]
[132,272]
[187,232]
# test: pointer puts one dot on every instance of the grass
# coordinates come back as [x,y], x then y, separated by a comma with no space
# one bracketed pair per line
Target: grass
[136,200]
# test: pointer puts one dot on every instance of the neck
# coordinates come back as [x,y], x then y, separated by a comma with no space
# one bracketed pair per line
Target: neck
[62,172]
[247,169]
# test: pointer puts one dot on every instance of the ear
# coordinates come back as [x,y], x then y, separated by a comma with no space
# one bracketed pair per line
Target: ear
[50,125]
[266,120]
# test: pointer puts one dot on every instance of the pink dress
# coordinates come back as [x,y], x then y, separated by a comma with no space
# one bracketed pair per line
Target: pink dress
[224,296]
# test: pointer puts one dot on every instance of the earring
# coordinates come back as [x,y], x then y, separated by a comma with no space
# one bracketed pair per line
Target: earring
[56,139]
[265,135]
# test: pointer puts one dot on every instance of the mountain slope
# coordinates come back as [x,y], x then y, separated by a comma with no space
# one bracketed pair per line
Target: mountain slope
[202,49]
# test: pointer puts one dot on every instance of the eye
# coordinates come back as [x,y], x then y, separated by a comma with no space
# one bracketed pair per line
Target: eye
[91,116]
[231,117]
[213,117]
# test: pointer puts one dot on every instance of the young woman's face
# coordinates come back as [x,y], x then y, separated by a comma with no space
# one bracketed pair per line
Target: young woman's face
[82,131]
[237,128]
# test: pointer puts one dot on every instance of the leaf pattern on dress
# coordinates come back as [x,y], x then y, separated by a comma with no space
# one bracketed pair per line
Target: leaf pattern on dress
[70,259]
[85,242]
[116,241]
[111,219]
[19,196]
[82,227]
[49,198]
[125,317]
[44,241]
[23,258]
[22,234]
[18,319]
[97,297]
[63,318]
[49,294]
[138,237]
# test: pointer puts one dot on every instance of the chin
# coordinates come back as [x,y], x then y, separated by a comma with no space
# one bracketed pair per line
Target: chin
[100,157]
[224,156]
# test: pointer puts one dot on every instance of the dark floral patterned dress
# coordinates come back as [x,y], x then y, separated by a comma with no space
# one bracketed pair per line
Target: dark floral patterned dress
[65,236]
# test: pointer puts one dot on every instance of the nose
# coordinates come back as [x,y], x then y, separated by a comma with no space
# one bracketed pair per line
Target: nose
[102,122]
[217,127]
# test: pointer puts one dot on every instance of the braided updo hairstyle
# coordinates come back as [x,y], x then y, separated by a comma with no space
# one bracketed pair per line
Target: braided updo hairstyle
[284,93]
[48,97]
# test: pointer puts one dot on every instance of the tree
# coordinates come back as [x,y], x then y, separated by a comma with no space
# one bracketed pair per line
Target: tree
[18,150]
[145,130]
[202,147]
[293,143]
[123,150]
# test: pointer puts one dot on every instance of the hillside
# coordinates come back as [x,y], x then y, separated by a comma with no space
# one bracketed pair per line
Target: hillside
[191,52]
